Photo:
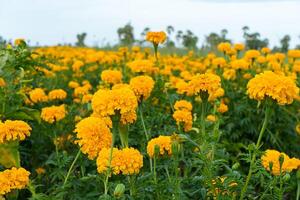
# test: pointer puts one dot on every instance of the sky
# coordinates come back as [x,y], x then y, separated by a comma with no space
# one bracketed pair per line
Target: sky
[50,22]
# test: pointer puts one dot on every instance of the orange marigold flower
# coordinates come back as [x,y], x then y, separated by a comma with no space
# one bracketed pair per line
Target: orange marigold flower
[163,142]
[156,37]
[58,94]
[13,130]
[53,113]
[142,86]
[38,95]
[111,76]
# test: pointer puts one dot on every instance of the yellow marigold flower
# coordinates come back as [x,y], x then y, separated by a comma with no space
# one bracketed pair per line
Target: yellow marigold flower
[163,142]
[206,83]
[93,135]
[281,88]
[81,91]
[261,59]
[293,53]
[18,41]
[185,117]
[127,161]
[183,105]
[40,170]
[271,158]
[219,62]
[58,94]
[38,95]
[229,74]
[87,98]
[111,76]
[265,50]
[145,66]
[252,54]
[219,192]
[77,65]
[247,76]
[53,113]
[239,64]
[13,179]
[142,86]
[73,84]
[224,46]
[239,47]
[106,102]
[13,130]
[222,108]
[2,82]
[211,118]
[156,37]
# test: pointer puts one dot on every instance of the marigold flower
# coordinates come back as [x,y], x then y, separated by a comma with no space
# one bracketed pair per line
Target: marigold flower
[185,117]
[224,46]
[207,82]
[281,88]
[93,135]
[239,46]
[297,128]
[229,74]
[265,50]
[73,84]
[239,64]
[38,95]
[2,82]
[142,86]
[40,170]
[13,130]
[145,66]
[211,118]
[183,105]
[252,54]
[58,94]
[106,102]
[111,76]
[271,158]
[12,179]
[156,37]
[127,161]
[77,65]
[53,113]
[163,142]
[222,108]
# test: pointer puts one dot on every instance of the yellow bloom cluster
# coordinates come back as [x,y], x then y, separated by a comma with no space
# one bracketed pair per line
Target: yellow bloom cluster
[105,103]
[163,142]
[93,135]
[183,114]
[271,158]
[13,130]
[111,76]
[53,113]
[206,83]
[224,46]
[222,108]
[38,95]
[127,161]
[281,88]
[144,66]
[12,179]
[142,86]
[156,37]
[2,82]
[58,94]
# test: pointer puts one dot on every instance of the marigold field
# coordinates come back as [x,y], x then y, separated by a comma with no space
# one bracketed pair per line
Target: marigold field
[138,123]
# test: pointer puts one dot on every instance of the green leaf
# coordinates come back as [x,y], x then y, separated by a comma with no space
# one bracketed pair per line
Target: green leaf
[10,156]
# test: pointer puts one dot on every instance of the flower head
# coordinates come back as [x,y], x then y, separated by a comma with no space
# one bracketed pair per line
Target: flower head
[53,113]
[111,76]
[142,86]
[58,94]
[38,95]
[93,134]
[156,37]
[12,179]
[127,161]
[163,142]
[13,130]
[281,88]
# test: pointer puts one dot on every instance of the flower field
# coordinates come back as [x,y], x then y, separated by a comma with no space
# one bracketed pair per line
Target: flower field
[84,123]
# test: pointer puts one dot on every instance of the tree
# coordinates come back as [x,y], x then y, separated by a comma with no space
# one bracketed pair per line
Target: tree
[126,35]
[213,39]
[143,35]
[189,40]
[170,43]
[252,40]
[80,39]
[285,43]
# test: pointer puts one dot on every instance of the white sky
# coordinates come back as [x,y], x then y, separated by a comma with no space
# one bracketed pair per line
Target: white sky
[58,21]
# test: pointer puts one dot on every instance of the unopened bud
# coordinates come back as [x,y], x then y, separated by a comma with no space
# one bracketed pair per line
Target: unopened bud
[119,190]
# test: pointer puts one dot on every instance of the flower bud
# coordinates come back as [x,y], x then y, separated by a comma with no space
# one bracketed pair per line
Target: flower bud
[286,177]
[119,190]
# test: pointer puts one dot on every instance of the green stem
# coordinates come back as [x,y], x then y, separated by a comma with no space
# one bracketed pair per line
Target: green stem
[298,190]
[154,170]
[263,128]
[145,131]
[71,167]
[203,113]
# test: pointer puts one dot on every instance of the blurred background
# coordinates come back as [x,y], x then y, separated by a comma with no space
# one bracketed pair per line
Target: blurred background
[189,23]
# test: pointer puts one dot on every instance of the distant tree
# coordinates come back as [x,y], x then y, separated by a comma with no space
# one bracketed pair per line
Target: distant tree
[285,43]
[252,40]
[80,39]
[189,40]
[3,42]
[179,35]
[126,35]
[143,35]
[170,43]
[213,39]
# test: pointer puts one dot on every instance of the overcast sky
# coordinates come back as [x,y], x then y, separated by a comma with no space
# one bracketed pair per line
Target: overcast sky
[58,21]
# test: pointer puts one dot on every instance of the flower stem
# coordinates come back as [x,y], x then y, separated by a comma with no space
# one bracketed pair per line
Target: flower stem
[263,128]
[71,167]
